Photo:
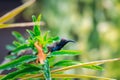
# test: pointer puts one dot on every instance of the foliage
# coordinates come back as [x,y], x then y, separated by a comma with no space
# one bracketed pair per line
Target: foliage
[20,47]
[25,44]
[25,62]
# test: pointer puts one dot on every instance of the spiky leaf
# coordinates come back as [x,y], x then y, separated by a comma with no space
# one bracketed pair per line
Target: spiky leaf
[31,33]
[36,27]
[16,43]
[21,47]
[65,63]
[11,57]
[53,39]
[17,62]
[46,35]
[34,18]
[39,18]
[37,30]
[18,73]
[10,47]
[95,67]
[18,36]
[65,53]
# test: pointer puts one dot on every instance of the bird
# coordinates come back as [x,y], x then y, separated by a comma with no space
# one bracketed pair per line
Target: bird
[58,45]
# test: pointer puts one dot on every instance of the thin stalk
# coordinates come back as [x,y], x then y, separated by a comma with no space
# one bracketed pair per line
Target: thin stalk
[25,24]
[78,76]
[85,64]
[61,76]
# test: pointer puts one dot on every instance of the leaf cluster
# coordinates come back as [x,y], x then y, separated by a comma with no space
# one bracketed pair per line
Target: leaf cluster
[23,54]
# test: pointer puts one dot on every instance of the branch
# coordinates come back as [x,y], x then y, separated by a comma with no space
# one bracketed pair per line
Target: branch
[25,24]
[15,11]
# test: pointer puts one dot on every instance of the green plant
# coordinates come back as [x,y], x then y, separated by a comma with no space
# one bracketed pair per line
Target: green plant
[33,57]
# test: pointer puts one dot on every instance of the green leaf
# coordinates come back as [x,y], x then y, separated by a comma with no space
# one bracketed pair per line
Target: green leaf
[50,40]
[21,47]
[39,18]
[51,61]
[56,38]
[18,36]
[65,63]
[65,53]
[46,35]
[17,62]
[45,49]
[36,30]
[18,73]
[27,65]
[95,67]
[31,33]
[16,43]
[36,27]
[10,47]
[34,18]
[11,57]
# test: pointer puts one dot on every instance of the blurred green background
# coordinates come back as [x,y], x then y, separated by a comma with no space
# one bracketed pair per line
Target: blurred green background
[93,24]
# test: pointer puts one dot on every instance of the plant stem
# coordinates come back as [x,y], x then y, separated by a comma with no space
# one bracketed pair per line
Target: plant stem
[46,69]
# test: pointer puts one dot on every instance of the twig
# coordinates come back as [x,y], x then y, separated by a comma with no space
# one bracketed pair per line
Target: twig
[25,24]
[85,64]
